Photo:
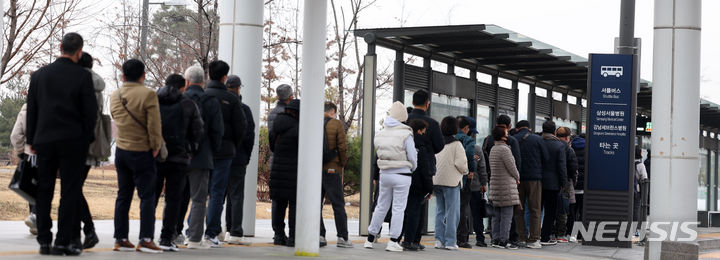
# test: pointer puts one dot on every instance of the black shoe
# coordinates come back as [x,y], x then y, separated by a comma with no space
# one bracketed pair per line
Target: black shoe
[481,243]
[408,246]
[280,240]
[323,241]
[290,242]
[45,249]
[420,246]
[464,245]
[90,240]
[70,250]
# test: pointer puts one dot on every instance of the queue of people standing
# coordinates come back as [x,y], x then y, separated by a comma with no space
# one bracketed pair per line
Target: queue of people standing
[191,140]
[521,176]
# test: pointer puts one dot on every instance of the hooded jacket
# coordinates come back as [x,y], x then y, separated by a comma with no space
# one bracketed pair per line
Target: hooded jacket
[284,145]
[182,126]
[433,137]
[233,119]
[395,148]
[422,183]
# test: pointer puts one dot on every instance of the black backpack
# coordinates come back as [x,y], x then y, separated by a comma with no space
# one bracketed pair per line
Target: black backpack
[328,154]
[174,128]
[199,102]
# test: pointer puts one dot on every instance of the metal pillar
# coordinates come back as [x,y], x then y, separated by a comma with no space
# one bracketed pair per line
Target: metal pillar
[240,45]
[675,99]
[368,133]
[398,81]
[627,27]
[516,92]
[474,103]
[578,101]
[308,214]
[532,104]
[496,110]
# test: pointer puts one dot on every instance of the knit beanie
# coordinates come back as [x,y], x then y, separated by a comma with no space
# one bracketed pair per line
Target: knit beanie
[397,111]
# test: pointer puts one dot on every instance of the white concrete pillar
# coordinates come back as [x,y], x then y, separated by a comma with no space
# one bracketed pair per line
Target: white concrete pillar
[240,45]
[307,235]
[675,100]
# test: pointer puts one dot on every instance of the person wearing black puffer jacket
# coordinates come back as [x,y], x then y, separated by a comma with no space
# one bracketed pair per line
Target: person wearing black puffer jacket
[421,187]
[182,130]
[235,124]
[283,173]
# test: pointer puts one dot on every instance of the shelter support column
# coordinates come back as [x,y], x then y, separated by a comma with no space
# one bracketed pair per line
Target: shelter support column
[240,45]
[532,97]
[368,134]
[517,97]
[496,103]
[308,214]
[398,80]
[675,100]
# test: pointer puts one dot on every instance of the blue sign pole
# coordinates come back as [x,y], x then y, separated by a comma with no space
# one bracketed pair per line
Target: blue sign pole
[610,149]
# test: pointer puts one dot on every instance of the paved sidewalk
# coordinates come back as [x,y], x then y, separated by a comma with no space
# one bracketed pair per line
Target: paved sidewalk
[17,243]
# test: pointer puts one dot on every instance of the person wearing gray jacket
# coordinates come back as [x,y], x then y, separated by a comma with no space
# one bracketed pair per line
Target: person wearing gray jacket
[503,188]
[478,186]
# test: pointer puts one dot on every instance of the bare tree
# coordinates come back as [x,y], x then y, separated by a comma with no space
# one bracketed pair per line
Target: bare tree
[30,29]
[345,43]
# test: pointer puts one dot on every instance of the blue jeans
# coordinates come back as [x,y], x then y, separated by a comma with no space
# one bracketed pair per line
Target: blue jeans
[217,188]
[448,214]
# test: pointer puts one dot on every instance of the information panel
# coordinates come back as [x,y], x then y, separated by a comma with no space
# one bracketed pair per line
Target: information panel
[610,130]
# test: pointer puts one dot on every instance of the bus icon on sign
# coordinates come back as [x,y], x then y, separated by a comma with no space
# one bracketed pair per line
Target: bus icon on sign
[616,71]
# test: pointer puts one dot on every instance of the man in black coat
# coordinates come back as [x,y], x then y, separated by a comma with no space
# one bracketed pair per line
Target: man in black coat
[61,115]
[202,163]
[182,129]
[433,137]
[235,124]
[534,154]
[283,172]
[236,180]
[421,187]
[554,178]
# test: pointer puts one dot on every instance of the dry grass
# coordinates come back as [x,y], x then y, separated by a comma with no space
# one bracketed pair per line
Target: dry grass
[100,191]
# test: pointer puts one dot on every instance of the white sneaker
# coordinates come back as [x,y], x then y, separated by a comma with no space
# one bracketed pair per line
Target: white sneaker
[393,247]
[180,240]
[221,236]
[341,242]
[225,237]
[572,240]
[30,222]
[214,242]
[198,245]
[439,245]
[233,240]
[534,245]
[368,244]
[452,248]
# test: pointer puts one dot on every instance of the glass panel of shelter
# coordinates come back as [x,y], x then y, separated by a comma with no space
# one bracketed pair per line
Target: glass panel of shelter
[702,192]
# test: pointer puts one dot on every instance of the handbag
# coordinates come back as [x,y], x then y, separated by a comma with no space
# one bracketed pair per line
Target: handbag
[24,181]
[163,154]
[487,207]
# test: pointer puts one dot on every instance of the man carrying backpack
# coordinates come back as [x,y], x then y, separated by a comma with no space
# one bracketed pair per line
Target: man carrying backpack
[334,159]
[182,129]
[202,162]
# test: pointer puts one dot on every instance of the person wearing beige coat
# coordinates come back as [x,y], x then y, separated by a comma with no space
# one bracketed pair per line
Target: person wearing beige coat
[503,188]
[451,166]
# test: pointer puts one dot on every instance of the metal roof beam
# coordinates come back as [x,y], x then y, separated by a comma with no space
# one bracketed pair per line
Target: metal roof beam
[515,59]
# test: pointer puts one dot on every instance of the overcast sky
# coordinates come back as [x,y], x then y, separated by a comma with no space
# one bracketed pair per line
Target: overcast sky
[580,27]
